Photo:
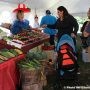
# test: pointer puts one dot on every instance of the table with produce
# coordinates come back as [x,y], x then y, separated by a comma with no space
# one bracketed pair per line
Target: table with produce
[16,67]
[27,40]
[9,74]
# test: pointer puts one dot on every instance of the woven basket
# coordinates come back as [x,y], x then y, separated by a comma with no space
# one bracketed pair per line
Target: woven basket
[37,86]
[30,76]
[43,62]
[50,54]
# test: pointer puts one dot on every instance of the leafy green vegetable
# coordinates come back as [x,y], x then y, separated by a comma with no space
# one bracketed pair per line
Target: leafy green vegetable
[39,55]
[8,38]
[32,60]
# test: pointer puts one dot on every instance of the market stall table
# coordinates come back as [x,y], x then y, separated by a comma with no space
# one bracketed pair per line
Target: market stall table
[27,47]
[9,74]
[25,40]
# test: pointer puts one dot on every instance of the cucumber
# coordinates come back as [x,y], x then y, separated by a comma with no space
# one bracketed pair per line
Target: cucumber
[29,64]
[24,66]
[33,63]
[36,61]
[5,54]
[13,52]
[3,58]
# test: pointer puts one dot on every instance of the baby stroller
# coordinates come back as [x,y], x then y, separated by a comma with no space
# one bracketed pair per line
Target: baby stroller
[67,66]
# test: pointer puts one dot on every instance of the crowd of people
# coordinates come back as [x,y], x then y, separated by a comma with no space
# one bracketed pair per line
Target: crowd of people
[65,23]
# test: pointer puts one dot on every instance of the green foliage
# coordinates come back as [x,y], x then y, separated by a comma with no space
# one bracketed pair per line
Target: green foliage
[34,64]
[7,38]
[39,55]
[32,60]
[46,44]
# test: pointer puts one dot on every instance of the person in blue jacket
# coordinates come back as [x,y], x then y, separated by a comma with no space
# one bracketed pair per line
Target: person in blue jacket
[20,23]
[49,19]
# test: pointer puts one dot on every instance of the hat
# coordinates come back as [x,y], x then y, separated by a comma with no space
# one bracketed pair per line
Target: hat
[48,12]
[23,8]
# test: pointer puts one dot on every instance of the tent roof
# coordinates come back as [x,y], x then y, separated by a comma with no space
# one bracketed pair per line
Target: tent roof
[74,6]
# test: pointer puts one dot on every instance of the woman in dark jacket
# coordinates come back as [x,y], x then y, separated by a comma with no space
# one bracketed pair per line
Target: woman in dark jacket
[66,24]
[86,31]
[86,23]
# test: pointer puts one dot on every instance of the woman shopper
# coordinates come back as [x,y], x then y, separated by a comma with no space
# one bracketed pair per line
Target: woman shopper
[66,24]
[85,28]
[86,31]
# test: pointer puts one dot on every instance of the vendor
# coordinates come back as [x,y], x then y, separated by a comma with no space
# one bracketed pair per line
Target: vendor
[20,24]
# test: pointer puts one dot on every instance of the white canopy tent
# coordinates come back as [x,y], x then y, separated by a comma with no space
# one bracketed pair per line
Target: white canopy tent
[75,7]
